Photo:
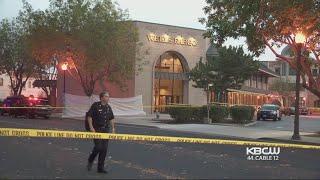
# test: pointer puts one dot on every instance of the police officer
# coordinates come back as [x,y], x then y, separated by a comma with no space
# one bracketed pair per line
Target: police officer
[100,116]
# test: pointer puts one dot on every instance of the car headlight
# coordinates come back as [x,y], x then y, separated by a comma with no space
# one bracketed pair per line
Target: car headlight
[274,112]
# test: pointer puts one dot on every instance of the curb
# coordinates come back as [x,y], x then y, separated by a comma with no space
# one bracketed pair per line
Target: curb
[251,124]
[167,119]
[137,125]
[235,125]
[289,141]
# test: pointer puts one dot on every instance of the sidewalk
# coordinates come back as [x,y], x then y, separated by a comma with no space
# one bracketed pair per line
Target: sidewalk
[221,130]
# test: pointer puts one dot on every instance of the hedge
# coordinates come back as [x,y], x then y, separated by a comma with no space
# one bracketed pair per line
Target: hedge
[242,114]
[218,113]
[188,114]
[185,114]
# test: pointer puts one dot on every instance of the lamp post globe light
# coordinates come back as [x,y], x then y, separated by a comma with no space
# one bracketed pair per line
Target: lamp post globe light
[299,40]
[64,66]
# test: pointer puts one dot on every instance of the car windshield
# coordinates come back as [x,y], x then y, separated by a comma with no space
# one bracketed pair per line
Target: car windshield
[269,108]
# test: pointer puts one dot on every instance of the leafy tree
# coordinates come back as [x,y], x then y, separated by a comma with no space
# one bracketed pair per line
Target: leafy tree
[232,67]
[272,24]
[15,59]
[284,88]
[94,36]
[202,76]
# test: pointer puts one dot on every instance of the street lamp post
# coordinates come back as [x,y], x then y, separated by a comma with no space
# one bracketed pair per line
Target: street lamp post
[208,101]
[208,91]
[300,39]
[64,67]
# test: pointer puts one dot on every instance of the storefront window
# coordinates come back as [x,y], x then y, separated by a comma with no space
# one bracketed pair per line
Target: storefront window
[246,98]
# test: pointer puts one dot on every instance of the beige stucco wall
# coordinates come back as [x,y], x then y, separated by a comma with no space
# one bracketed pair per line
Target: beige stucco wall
[192,54]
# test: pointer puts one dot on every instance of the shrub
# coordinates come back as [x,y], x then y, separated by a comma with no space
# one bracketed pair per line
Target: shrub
[242,114]
[217,112]
[186,114]
[199,113]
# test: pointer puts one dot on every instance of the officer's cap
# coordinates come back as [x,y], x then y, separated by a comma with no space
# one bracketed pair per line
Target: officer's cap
[104,93]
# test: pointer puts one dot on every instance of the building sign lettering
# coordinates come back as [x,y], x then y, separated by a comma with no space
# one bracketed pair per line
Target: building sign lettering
[179,40]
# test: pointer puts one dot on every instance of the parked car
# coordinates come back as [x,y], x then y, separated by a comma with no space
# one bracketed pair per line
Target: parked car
[10,102]
[26,106]
[292,110]
[269,111]
[302,110]
[286,111]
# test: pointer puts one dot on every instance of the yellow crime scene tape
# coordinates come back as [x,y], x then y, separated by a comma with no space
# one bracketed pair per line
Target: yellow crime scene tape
[142,106]
[131,137]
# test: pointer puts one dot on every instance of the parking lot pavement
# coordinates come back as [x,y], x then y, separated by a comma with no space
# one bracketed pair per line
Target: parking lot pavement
[48,158]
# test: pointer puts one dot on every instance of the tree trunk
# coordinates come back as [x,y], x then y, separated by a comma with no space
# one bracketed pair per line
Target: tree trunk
[21,87]
[46,91]
[15,91]
[22,84]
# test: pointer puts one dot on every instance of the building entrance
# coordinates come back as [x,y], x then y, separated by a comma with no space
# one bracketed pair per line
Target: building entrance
[170,82]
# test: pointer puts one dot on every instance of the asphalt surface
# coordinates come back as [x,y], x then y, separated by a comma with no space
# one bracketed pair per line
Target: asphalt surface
[44,158]
[306,123]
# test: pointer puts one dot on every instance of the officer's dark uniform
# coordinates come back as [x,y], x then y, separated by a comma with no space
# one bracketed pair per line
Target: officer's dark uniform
[101,116]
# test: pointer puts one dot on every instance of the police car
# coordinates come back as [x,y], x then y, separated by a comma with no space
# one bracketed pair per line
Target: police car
[26,106]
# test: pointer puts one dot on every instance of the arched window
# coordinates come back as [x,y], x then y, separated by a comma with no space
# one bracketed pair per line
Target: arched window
[169,62]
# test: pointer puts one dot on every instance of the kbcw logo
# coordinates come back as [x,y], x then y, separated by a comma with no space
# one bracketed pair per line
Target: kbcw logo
[263,151]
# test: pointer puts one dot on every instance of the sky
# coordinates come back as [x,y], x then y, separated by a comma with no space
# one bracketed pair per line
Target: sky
[183,13]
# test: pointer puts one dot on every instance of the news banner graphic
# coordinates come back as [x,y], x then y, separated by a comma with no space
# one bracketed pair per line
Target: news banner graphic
[14,132]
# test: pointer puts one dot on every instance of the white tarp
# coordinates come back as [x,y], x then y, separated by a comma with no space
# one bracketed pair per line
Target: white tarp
[77,106]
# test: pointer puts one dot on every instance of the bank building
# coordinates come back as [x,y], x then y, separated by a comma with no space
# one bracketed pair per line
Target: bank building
[172,52]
